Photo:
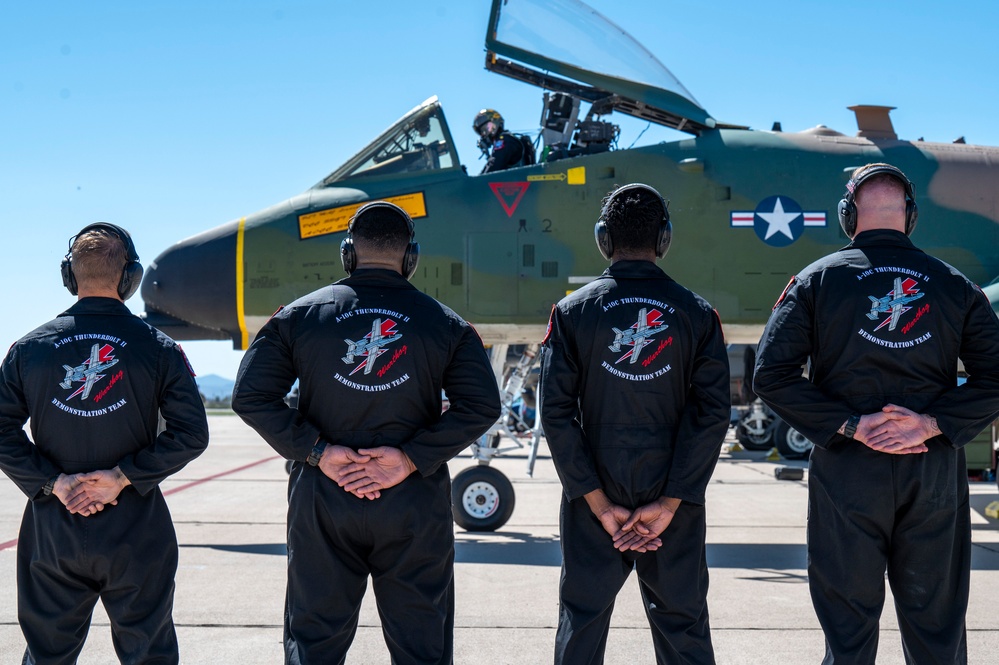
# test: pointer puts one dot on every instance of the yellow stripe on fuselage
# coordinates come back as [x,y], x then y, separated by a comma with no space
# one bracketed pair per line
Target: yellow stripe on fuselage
[244,336]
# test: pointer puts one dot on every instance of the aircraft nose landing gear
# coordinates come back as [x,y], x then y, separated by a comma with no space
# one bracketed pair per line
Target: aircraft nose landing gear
[482,499]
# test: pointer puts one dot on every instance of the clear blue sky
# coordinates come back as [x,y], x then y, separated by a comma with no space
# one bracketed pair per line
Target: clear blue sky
[169,118]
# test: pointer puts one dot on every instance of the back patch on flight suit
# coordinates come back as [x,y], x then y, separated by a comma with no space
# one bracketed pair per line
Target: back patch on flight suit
[897,301]
[89,380]
[370,361]
[636,348]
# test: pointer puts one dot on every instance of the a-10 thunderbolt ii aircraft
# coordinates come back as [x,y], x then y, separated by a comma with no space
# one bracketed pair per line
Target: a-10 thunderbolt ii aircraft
[749,207]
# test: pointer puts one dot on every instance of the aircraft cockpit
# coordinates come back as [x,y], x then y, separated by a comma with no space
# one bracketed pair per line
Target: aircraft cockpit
[419,141]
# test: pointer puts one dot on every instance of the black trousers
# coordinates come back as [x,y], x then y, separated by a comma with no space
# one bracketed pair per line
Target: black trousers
[673,582]
[125,555]
[870,512]
[403,540]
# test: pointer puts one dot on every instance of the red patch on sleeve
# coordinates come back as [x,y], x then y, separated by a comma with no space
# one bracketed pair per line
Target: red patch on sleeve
[186,361]
[476,333]
[548,331]
[783,293]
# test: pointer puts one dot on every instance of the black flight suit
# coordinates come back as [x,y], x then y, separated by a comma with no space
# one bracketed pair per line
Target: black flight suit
[507,152]
[641,418]
[127,554]
[362,397]
[867,510]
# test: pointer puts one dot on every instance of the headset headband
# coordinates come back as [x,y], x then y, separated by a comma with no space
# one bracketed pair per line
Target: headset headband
[371,205]
[868,172]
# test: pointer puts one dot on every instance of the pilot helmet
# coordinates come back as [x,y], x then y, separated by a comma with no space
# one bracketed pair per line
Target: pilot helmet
[482,120]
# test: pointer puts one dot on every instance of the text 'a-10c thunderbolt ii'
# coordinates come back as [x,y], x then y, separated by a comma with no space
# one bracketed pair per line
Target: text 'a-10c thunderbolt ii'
[749,207]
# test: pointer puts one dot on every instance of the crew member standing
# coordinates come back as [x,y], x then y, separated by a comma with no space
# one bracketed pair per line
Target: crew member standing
[369,492]
[93,382]
[882,326]
[503,149]
[635,405]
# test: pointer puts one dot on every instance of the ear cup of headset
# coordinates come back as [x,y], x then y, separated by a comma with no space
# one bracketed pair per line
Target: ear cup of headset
[665,235]
[602,236]
[348,257]
[131,278]
[847,212]
[410,259]
[68,278]
[911,216]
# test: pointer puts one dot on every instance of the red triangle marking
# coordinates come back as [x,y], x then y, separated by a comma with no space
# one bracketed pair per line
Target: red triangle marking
[509,194]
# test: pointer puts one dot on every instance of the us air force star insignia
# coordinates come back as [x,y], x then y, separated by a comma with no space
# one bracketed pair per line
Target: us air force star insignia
[778,220]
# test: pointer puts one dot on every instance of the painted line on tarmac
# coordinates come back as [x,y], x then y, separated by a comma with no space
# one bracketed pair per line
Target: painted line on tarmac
[193,483]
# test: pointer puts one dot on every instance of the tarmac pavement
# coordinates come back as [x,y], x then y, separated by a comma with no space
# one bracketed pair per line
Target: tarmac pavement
[229,511]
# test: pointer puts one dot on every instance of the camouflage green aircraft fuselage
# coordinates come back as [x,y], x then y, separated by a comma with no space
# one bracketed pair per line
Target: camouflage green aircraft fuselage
[501,248]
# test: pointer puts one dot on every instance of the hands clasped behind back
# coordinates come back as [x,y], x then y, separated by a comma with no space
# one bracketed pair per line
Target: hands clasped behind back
[87,494]
[896,430]
[365,472]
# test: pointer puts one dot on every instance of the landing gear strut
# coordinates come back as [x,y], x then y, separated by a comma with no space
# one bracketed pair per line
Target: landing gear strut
[482,498]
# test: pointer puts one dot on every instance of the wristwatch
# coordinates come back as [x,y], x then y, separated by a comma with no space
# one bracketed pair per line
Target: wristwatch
[317,453]
[851,426]
[49,486]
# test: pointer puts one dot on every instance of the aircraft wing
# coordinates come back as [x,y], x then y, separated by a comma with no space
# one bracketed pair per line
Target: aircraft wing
[896,311]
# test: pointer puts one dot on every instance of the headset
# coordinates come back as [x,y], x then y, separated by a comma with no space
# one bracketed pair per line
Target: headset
[847,208]
[348,255]
[602,234]
[131,274]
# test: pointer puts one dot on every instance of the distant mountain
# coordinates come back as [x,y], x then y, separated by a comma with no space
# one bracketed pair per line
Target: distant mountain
[213,386]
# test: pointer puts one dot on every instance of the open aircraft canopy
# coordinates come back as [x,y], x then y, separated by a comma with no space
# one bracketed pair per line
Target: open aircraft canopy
[552,39]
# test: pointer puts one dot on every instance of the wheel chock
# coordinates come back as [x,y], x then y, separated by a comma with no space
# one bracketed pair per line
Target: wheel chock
[773,455]
[791,473]
[736,447]
[992,510]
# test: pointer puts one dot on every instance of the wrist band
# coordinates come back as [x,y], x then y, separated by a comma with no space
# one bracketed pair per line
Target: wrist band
[851,426]
[49,486]
[317,452]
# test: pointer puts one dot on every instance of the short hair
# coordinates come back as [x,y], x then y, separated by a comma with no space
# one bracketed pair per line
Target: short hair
[633,219]
[98,258]
[381,229]
[881,181]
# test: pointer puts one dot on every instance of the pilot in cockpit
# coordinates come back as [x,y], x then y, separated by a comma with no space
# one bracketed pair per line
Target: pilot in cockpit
[503,149]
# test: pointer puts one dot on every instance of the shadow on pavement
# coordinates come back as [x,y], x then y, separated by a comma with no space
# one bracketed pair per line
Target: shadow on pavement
[526,550]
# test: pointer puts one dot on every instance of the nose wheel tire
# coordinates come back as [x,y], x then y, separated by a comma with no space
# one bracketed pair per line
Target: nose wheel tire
[791,443]
[482,499]
[754,435]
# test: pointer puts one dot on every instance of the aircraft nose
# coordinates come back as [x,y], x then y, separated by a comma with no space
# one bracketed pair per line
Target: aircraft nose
[195,280]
